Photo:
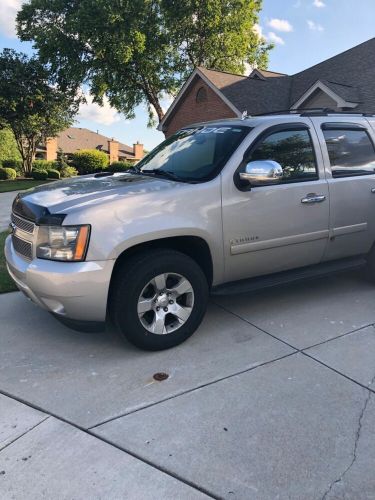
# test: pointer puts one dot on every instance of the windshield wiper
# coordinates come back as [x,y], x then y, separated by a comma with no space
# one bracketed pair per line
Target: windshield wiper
[134,170]
[163,173]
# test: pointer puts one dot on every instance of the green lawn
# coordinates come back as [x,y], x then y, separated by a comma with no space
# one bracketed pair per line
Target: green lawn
[19,185]
[6,283]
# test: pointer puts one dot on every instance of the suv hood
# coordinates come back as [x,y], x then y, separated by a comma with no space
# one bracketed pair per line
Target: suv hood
[60,197]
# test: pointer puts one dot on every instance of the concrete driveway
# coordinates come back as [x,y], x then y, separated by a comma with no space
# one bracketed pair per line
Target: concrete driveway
[271,399]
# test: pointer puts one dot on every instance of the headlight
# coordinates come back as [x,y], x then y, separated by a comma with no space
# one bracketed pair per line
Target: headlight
[66,243]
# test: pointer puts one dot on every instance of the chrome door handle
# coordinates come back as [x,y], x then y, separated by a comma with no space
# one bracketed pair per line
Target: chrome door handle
[372,190]
[313,198]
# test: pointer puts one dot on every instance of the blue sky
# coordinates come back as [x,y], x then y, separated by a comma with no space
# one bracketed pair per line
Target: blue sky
[305,32]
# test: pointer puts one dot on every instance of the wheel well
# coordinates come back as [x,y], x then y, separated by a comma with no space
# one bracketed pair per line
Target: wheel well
[193,246]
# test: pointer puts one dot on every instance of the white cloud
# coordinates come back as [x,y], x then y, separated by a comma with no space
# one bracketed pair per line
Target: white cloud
[99,114]
[280,25]
[319,3]
[8,12]
[272,37]
[314,26]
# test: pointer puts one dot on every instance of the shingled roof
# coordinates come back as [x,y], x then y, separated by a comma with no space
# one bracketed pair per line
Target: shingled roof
[73,139]
[349,75]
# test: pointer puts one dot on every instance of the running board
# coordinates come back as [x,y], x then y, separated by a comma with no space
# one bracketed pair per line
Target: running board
[282,278]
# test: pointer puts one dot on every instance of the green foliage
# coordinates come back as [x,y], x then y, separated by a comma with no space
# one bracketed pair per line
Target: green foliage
[8,146]
[7,174]
[68,171]
[53,174]
[134,52]
[119,166]
[31,104]
[15,164]
[39,175]
[44,165]
[61,161]
[88,161]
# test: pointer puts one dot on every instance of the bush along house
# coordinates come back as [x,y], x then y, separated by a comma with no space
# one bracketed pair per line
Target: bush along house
[344,82]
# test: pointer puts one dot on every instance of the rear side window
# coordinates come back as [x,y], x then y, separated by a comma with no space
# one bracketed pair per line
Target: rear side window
[351,152]
[293,150]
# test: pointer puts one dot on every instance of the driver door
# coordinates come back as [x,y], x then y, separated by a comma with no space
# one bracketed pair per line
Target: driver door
[272,228]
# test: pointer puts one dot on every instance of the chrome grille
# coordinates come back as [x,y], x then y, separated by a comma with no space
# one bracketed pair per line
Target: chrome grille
[23,224]
[22,247]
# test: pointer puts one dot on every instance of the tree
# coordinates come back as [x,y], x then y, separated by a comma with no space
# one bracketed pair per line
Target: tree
[137,52]
[30,105]
[8,146]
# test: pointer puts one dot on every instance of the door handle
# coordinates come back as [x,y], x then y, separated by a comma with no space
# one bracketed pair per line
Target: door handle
[372,190]
[313,198]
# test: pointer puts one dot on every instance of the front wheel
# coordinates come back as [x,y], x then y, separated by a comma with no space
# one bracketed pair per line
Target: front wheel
[158,299]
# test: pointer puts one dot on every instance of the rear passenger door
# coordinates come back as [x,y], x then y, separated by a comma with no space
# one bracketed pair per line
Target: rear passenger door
[349,157]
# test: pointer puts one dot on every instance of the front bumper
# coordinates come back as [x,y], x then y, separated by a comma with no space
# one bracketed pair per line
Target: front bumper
[76,290]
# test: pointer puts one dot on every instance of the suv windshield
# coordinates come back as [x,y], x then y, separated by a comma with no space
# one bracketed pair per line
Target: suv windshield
[194,154]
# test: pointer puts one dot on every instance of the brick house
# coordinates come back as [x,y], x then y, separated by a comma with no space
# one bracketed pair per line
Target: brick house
[74,139]
[343,82]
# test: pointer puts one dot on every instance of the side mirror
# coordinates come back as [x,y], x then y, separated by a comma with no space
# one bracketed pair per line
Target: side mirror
[262,172]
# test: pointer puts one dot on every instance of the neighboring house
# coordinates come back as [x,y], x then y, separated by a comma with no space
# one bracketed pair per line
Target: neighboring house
[343,82]
[74,139]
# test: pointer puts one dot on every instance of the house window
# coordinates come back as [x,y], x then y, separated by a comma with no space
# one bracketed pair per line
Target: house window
[201,95]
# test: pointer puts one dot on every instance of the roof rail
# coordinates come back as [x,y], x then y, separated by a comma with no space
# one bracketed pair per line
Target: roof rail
[313,112]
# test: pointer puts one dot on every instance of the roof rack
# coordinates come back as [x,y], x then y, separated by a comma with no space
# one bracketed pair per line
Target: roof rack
[313,112]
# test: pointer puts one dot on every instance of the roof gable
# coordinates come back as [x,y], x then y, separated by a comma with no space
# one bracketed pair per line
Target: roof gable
[214,83]
[335,91]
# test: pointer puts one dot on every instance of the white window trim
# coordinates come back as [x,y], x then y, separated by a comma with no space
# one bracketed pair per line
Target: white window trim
[184,89]
[341,103]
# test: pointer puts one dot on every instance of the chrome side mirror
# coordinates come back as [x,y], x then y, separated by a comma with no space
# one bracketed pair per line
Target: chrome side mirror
[262,172]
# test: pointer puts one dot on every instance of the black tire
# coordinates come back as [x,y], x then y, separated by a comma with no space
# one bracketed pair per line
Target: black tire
[130,279]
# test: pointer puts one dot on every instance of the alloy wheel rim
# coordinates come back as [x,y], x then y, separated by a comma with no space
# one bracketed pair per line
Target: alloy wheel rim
[165,303]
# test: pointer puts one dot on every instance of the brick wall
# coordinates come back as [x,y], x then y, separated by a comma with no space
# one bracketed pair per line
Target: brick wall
[51,149]
[188,110]
[113,150]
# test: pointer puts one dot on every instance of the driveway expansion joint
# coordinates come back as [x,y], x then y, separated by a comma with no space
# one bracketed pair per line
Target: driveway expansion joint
[193,389]
[106,441]
[24,433]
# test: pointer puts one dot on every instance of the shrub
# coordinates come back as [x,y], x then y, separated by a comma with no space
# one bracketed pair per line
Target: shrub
[7,174]
[39,175]
[119,166]
[88,161]
[68,172]
[53,174]
[15,164]
[44,165]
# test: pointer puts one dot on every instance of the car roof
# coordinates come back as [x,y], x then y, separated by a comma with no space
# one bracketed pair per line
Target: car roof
[256,120]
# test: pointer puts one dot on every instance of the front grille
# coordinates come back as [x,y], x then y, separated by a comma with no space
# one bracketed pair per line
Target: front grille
[22,247]
[23,224]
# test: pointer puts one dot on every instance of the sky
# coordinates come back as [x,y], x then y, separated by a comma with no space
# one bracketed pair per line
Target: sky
[304,32]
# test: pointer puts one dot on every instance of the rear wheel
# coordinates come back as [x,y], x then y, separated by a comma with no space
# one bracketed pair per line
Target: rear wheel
[158,299]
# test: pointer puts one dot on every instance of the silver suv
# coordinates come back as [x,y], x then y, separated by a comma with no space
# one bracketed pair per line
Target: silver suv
[219,207]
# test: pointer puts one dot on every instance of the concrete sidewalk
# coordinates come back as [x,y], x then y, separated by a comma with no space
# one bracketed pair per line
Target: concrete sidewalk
[271,398]
[6,200]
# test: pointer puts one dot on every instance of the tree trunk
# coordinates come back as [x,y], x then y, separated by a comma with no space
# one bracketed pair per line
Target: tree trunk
[26,147]
[152,98]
